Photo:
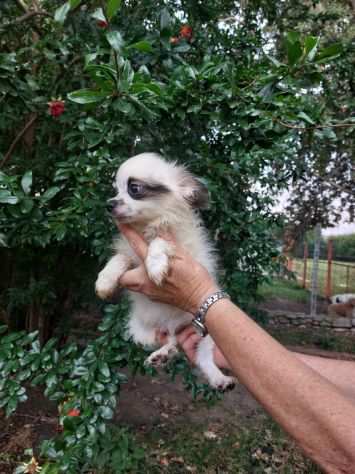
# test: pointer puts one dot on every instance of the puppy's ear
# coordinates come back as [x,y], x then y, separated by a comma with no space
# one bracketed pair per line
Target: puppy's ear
[194,191]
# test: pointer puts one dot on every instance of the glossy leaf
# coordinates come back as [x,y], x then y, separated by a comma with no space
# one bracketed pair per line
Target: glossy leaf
[7,198]
[87,96]
[50,193]
[115,39]
[26,182]
[112,8]
[61,13]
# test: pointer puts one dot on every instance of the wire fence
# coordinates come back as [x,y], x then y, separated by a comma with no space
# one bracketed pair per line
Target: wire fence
[334,277]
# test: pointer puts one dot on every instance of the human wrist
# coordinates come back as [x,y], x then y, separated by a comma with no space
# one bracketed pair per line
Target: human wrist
[200,295]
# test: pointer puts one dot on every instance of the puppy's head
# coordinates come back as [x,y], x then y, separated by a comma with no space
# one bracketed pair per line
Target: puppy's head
[150,188]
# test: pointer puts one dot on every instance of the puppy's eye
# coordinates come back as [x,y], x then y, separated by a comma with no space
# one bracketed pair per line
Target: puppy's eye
[135,190]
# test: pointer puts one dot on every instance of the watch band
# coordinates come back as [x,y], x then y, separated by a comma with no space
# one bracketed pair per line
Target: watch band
[199,320]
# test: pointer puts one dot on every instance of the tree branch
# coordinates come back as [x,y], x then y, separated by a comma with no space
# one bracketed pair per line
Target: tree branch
[27,16]
[17,139]
[331,125]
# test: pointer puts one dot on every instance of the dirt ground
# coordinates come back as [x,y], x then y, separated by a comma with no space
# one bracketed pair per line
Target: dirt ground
[145,403]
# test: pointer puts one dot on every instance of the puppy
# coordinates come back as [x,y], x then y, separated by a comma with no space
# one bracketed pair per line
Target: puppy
[344,298]
[152,195]
[345,310]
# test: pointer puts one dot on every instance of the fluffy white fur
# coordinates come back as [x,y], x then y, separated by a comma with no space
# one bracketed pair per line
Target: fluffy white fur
[173,208]
[344,298]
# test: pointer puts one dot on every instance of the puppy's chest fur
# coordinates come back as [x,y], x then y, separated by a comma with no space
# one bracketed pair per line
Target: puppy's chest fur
[191,236]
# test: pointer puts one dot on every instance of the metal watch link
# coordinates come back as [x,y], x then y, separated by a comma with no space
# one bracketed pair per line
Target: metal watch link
[199,320]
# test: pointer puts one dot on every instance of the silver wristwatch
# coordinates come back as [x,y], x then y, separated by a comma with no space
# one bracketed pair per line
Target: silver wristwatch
[199,320]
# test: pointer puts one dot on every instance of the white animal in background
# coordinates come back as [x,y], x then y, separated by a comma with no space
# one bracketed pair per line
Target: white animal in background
[153,194]
[344,298]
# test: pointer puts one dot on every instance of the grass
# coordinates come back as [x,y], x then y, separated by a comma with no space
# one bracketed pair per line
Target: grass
[316,337]
[284,289]
[260,448]
[343,275]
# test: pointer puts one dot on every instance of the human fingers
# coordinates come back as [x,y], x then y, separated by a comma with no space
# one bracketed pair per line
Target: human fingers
[135,240]
[134,279]
[184,333]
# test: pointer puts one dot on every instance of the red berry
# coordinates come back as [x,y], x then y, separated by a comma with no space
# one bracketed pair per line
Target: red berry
[73,412]
[102,24]
[56,107]
[186,32]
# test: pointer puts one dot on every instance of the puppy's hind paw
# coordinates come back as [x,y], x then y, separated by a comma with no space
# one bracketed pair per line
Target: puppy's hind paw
[158,360]
[224,384]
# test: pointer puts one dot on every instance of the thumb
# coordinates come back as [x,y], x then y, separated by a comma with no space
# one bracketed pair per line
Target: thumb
[135,240]
[133,279]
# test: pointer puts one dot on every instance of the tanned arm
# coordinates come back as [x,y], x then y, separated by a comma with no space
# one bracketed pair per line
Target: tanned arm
[312,409]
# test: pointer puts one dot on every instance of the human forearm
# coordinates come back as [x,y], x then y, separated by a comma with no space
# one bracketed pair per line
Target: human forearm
[340,372]
[309,407]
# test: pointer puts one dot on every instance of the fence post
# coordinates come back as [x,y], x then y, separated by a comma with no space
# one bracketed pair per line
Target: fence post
[305,257]
[314,285]
[328,284]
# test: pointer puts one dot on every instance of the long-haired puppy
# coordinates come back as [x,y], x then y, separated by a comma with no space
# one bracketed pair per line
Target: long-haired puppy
[153,194]
[343,298]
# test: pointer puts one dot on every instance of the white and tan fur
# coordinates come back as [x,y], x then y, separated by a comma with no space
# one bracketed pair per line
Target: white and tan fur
[343,298]
[171,204]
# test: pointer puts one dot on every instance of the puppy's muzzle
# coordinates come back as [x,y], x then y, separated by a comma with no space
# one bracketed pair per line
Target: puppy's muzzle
[113,203]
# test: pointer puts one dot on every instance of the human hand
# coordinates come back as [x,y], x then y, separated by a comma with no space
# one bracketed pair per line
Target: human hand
[189,340]
[187,284]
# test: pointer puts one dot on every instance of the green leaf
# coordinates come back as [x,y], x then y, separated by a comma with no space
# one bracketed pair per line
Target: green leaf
[330,52]
[50,193]
[112,7]
[26,205]
[115,39]
[165,21]
[142,46]
[293,48]
[74,3]
[106,412]
[61,13]
[104,369]
[26,182]
[127,76]
[3,242]
[305,117]
[310,47]
[99,15]
[88,96]
[7,198]
[103,75]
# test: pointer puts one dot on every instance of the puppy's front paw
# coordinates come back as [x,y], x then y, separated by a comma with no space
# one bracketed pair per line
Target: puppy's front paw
[157,260]
[105,286]
[157,267]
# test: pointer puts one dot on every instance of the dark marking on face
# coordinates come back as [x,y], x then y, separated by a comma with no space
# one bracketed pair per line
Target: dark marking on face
[139,189]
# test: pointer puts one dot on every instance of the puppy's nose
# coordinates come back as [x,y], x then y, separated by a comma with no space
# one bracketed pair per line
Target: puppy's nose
[112,203]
